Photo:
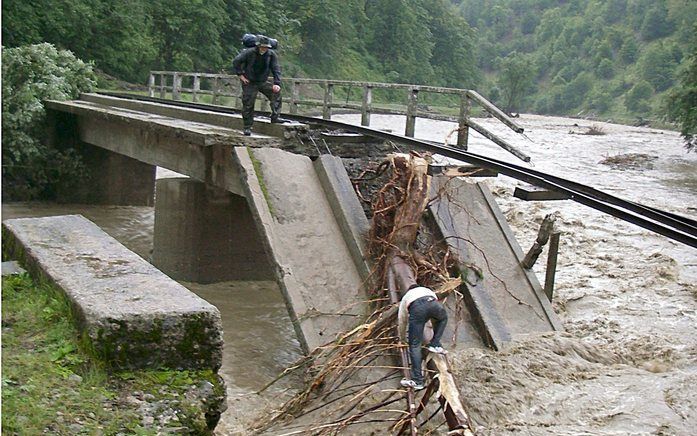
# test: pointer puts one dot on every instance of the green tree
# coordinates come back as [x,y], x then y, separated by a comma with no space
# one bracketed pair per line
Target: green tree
[682,107]
[656,23]
[453,57]
[515,79]
[657,67]
[637,98]
[629,50]
[30,75]
[114,35]
[605,69]
[401,39]
[187,33]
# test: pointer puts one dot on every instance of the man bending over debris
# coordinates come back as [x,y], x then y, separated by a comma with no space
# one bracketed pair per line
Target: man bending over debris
[419,305]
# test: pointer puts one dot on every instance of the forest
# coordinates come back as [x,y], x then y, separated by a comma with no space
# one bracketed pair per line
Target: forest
[620,59]
[599,57]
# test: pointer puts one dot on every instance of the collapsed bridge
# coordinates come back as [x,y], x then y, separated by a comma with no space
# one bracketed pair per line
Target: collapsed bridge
[303,224]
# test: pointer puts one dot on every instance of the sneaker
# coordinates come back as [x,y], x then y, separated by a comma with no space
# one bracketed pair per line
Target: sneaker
[279,120]
[247,132]
[407,383]
[437,350]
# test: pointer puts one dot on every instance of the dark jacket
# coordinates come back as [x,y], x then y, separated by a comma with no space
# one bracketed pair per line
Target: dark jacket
[257,67]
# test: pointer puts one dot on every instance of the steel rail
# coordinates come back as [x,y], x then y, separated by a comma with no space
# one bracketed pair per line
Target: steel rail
[673,226]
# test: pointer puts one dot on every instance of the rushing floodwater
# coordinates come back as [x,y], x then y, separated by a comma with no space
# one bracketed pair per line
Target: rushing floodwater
[627,362]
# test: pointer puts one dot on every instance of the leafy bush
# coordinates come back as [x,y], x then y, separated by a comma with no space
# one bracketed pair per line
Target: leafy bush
[682,107]
[32,74]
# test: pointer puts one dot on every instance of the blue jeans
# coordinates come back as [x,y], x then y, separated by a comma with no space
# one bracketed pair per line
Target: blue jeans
[420,311]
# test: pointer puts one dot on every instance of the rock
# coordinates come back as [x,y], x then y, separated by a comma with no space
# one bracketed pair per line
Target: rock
[75,379]
[75,428]
[132,401]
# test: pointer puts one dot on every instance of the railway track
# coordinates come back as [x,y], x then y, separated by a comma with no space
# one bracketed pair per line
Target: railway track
[673,226]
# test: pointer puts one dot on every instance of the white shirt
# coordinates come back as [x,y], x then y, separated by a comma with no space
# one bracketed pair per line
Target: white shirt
[403,314]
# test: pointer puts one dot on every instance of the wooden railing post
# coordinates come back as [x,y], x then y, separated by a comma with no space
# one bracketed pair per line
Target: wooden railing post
[151,85]
[411,112]
[163,86]
[551,264]
[294,97]
[367,105]
[197,87]
[216,90]
[328,96]
[462,128]
[238,95]
[176,86]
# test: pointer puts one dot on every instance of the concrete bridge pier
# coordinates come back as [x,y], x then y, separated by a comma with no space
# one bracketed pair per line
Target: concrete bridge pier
[112,178]
[205,234]
[116,179]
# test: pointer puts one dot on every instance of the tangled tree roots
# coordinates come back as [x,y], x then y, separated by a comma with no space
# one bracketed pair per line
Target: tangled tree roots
[353,379]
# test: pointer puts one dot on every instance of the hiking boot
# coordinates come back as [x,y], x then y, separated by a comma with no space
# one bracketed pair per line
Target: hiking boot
[411,384]
[437,350]
[247,131]
[279,120]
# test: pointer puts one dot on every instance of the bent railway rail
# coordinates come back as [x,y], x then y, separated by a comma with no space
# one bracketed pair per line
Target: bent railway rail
[673,226]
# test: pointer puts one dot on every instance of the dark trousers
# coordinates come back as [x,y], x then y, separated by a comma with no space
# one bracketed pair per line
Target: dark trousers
[249,95]
[420,311]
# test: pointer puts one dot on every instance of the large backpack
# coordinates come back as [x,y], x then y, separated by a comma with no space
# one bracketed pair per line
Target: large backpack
[249,40]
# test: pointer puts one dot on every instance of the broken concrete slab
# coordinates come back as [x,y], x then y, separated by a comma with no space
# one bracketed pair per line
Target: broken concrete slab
[311,261]
[505,299]
[134,316]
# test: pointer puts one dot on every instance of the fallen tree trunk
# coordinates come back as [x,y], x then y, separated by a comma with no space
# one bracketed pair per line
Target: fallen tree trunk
[354,373]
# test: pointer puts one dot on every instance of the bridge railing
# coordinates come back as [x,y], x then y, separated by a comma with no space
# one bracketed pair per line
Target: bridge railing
[227,86]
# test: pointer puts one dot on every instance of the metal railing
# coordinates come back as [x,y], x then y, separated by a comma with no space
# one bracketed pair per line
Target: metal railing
[225,85]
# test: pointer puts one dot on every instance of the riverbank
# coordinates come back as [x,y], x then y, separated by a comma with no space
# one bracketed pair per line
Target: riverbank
[52,384]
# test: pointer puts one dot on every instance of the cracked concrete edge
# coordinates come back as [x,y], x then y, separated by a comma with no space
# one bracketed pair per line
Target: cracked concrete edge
[347,210]
[263,218]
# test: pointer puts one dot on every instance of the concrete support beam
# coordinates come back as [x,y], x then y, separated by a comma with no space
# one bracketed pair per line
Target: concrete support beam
[313,266]
[233,121]
[204,234]
[134,316]
[347,210]
[115,179]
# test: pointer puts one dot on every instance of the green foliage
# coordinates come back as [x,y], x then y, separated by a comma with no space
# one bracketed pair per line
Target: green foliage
[186,33]
[515,79]
[605,69]
[380,40]
[637,97]
[32,74]
[682,105]
[633,40]
[50,383]
[657,67]
[656,23]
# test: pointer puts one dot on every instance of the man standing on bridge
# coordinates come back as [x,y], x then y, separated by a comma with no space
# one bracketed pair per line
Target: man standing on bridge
[253,66]
[419,305]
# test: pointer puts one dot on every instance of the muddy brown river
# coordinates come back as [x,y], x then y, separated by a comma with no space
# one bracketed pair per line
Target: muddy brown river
[626,363]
